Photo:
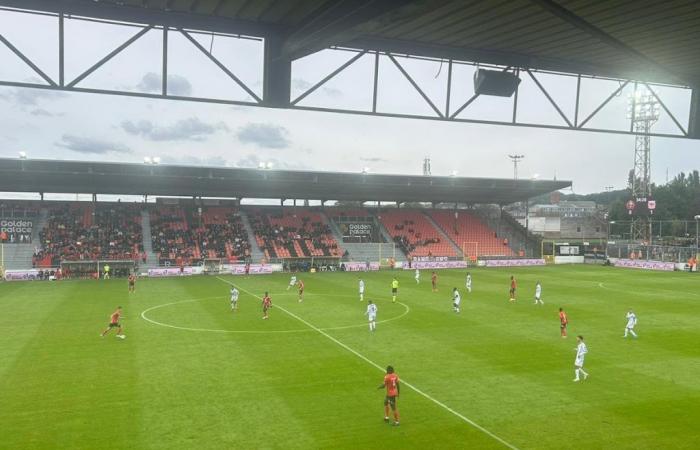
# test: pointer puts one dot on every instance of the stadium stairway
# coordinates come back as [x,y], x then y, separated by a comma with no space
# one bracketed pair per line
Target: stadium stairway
[444,235]
[367,252]
[151,258]
[19,256]
[256,254]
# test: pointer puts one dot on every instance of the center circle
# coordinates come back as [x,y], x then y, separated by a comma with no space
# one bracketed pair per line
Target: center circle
[306,329]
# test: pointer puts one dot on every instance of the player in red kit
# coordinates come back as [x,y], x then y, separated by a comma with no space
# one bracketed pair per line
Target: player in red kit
[433,279]
[266,304]
[300,285]
[114,323]
[132,283]
[391,383]
[563,321]
[513,286]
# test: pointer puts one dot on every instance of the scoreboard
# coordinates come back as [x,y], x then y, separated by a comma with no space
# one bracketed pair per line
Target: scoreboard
[641,206]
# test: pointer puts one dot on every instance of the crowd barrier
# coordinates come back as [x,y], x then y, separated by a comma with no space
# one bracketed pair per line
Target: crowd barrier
[641,264]
[511,262]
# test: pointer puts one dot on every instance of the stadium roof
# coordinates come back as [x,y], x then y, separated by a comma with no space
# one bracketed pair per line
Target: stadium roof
[651,41]
[48,176]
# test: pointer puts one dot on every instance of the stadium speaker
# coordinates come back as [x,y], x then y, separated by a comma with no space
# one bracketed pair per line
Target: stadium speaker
[495,82]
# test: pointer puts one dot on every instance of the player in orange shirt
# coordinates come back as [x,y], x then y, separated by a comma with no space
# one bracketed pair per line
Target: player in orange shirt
[114,323]
[433,279]
[300,284]
[391,383]
[563,321]
[513,286]
[266,304]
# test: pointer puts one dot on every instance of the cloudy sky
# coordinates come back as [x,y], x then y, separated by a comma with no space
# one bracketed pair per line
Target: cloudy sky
[49,124]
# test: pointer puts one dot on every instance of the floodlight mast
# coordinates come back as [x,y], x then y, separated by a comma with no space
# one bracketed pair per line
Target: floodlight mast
[643,112]
[516,160]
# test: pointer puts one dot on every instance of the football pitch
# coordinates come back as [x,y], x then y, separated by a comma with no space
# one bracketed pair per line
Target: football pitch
[193,374]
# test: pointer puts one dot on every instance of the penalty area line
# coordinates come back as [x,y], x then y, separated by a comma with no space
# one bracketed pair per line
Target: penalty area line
[372,363]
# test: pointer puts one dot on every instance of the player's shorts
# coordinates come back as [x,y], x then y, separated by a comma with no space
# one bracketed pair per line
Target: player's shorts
[362,291]
[131,283]
[578,362]
[456,305]
[630,327]
[562,326]
[537,297]
[372,318]
[390,400]
[394,290]
[114,325]
[512,291]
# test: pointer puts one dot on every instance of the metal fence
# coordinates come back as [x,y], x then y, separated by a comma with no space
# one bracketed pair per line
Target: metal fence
[665,253]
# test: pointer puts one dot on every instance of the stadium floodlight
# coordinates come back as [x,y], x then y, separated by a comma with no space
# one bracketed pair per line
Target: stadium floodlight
[453,173]
[156,160]
[365,170]
[147,160]
[22,155]
[535,176]
[264,165]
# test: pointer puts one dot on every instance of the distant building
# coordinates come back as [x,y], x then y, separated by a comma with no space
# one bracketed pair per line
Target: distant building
[579,219]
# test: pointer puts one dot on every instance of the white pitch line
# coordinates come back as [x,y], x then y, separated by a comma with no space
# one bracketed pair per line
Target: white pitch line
[369,361]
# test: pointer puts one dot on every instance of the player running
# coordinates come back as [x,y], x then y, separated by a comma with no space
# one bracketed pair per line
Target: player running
[394,289]
[513,286]
[433,281]
[581,351]
[538,294]
[292,282]
[456,300]
[266,304]
[362,289]
[132,283]
[631,322]
[371,314]
[114,323]
[563,322]
[417,277]
[300,284]
[234,299]
[469,282]
[393,388]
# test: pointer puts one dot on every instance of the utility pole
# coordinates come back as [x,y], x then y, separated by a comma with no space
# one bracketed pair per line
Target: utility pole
[426,166]
[516,160]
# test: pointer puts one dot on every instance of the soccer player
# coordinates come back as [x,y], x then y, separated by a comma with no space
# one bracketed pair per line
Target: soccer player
[469,282]
[538,294]
[371,314]
[581,351]
[114,323]
[394,289]
[563,322]
[292,282]
[631,322]
[417,277]
[266,304]
[433,280]
[393,388]
[132,283]
[300,284]
[362,289]
[456,300]
[105,270]
[234,299]
[513,286]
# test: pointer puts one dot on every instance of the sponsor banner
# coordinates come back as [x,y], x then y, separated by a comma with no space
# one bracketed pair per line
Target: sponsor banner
[360,266]
[21,275]
[169,272]
[436,265]
[513,262]
[640,264]
[255,269]
[356,229]
[18,226]
[430,258]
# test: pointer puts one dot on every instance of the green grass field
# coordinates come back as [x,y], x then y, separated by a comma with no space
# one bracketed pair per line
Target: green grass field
[307,377]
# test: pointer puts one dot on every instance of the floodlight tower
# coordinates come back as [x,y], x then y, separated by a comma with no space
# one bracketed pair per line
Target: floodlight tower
[643,112]
[516,160]
[426,166]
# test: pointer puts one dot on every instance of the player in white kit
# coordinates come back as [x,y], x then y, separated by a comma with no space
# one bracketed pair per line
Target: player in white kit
[581,351]
[371,314]
[234,299]
[538,294]
[362,289]
[456,300]
[631,322]
[292,282]
[417,277]
[469,282]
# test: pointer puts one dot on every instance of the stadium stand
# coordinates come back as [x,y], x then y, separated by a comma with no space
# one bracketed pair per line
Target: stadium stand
[77,232]
[414,233]
[471,234]
[281,233]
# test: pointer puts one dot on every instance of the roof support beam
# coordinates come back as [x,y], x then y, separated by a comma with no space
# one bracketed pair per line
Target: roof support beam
[343,20]
[694,123]
[572,19]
